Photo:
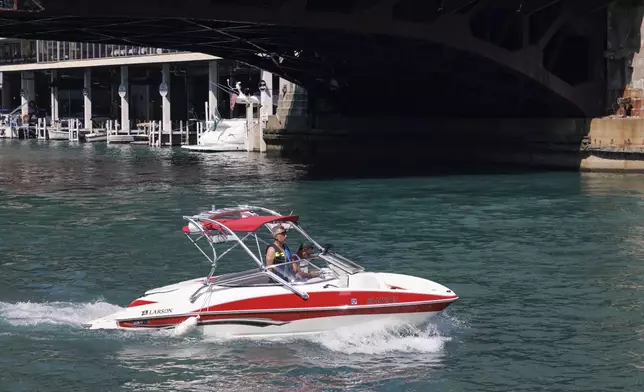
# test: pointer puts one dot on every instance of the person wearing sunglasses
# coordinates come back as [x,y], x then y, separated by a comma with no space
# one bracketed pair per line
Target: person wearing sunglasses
[278,253]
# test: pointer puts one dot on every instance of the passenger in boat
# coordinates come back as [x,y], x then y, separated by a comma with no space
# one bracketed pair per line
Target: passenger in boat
[278,253]
[303,253]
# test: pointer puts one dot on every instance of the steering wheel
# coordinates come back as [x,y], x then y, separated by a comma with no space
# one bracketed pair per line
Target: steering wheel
[326,248]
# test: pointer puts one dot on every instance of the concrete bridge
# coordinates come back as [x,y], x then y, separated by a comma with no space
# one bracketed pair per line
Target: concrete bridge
[382,65]
[464,58]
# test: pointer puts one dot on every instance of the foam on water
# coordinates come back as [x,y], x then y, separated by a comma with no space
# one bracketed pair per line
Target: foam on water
[57,313]
[383,337]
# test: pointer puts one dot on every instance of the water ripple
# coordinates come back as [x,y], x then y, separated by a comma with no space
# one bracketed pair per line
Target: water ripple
[547,266]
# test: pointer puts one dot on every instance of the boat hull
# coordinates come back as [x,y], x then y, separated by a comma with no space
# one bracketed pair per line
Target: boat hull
[58,135]
[230,135]
[314,326]
[272,310]
[267,327]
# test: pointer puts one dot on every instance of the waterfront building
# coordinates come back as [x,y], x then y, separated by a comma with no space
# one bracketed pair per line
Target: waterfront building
[99,82]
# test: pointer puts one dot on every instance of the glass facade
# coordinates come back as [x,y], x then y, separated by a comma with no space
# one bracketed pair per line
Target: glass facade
[40,51]
[8,5]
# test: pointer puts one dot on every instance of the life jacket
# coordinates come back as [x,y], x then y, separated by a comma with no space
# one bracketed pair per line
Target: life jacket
[282,256]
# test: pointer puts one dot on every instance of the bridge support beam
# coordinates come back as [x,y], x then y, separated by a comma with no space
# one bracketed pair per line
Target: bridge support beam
[147,98]
[266,105]
[87,99]
[166,116]
[213,90]
[6,91]
[53,90]
[125,104]
[27,90]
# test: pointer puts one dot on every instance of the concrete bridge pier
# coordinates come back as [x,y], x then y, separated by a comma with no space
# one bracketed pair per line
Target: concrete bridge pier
[213,90]
[53,91]
[123,91]
[292,108]
[6,91]
[164,91]
[266,105]
[87,99]
[27,90]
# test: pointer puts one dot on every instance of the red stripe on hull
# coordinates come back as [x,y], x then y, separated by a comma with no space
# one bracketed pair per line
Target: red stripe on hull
[140,302]
[292,315]
[302,315]
[326,299]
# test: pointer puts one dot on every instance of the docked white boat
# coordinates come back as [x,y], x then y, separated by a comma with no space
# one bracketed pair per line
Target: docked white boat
[10,123]
[318,292]
[57,134]
[64,129]
[95,136]
[228,135]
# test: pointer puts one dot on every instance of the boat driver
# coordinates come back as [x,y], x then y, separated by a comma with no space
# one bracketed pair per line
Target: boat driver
[300,258]
[278,253]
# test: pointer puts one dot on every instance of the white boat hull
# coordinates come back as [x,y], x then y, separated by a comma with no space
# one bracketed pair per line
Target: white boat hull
[315,326]
[58,135]
[230,135]
[274,311]
[311,326]
[120,138]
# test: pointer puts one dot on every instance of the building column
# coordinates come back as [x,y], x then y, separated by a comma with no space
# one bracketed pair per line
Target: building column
[6,92]
[251,135]
[87,98]
[266,108]
[164,91]
[213,90]
[27,90]
[125,104]
[53,90]
[147,98]
[189,88]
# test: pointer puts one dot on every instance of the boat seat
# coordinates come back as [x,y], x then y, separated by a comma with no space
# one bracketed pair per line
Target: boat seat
[367,280]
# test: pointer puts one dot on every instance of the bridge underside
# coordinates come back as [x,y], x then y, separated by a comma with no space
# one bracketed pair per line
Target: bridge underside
[464,58]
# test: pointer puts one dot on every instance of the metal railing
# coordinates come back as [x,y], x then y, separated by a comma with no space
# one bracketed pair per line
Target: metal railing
[42,51]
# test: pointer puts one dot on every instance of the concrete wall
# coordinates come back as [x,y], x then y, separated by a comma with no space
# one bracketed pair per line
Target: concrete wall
[624,58]
[615,144]
[553,143]
[617,133]
[292,108]
[603,144]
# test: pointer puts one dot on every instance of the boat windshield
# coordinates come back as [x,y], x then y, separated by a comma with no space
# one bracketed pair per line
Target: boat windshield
[312,269]
[300,271]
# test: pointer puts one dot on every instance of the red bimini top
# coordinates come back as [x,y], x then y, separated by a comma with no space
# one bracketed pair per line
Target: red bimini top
[247,224]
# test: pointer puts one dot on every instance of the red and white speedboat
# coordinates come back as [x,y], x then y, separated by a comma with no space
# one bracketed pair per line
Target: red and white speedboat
[261,301]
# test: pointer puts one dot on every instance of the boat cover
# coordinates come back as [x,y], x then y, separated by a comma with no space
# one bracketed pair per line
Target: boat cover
[249,223]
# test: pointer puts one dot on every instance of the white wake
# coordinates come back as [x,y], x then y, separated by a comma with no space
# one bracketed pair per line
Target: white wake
[57,313]
[383,337]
